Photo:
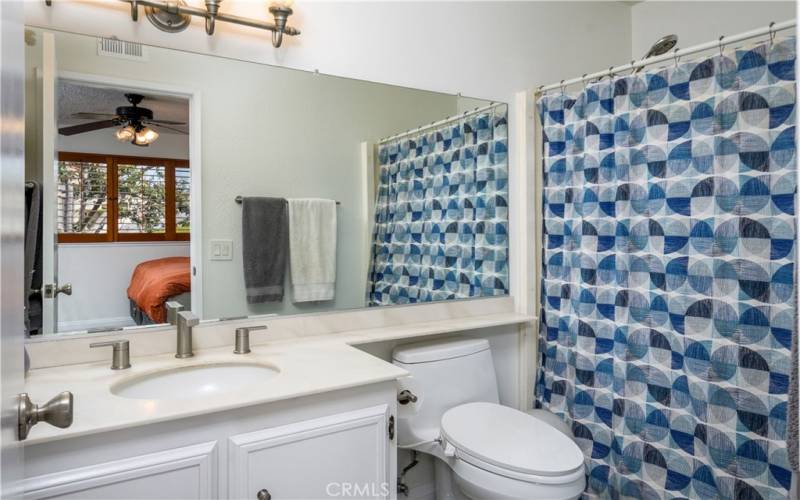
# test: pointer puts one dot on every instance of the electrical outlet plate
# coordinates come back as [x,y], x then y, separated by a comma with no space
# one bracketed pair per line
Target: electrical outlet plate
[221,249]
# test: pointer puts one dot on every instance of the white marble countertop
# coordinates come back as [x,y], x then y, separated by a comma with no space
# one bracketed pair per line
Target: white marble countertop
[306,367]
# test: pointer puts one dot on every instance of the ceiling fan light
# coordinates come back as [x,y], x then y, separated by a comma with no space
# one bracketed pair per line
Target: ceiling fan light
[145,136]
[126,134]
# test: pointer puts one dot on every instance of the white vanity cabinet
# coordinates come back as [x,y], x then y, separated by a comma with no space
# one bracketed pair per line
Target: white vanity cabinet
[331,445]
[320,458]
[185,472]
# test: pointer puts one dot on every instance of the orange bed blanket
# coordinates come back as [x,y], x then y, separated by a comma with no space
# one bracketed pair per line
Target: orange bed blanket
[154,281]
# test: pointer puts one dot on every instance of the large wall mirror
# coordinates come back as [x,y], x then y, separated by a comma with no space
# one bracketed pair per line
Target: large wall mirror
[160,179]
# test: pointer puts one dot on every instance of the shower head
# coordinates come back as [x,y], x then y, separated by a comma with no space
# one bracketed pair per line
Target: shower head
[662,46]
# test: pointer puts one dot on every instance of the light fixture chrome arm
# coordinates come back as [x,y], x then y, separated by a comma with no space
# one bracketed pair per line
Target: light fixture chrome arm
[211,14]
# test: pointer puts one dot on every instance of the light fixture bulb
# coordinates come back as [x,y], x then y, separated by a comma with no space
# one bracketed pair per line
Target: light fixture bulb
[126,134]
[283,4]
[145,136]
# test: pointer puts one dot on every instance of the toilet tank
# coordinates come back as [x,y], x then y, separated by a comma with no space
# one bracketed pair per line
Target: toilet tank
[443,373]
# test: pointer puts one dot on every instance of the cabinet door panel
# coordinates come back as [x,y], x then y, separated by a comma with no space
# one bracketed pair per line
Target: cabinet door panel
[343,455]
[181,473]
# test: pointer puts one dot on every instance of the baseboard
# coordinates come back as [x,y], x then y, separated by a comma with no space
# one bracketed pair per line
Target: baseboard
[88,324]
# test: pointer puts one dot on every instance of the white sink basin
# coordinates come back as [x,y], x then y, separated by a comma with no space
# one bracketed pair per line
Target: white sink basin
[195,381]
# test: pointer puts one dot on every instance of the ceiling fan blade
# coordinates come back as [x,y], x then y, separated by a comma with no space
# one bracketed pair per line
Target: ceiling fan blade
[86,127]
[93,116]
[161,125]
[166,122]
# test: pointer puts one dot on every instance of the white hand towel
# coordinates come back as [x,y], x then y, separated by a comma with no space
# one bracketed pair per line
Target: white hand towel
[312,249]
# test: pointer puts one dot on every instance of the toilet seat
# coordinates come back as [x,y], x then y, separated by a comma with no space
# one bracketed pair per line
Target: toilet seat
[511,443]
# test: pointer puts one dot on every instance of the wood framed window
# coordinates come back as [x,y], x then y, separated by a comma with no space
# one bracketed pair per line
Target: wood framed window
[106,198]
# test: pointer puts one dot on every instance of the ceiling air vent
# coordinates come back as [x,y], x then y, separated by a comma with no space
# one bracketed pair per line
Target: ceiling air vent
[114,47]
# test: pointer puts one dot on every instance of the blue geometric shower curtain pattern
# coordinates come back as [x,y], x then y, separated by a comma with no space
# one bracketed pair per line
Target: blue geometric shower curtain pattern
[668,285]
[441,216]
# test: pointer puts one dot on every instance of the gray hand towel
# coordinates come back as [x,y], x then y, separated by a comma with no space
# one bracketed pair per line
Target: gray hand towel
[265,248]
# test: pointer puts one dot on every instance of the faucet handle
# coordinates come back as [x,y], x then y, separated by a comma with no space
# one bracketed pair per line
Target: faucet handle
[173,308]
[243,338]
[120,355]
[188,318]
[248,329]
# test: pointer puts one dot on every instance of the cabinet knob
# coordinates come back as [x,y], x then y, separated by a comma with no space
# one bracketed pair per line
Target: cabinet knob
[263,495]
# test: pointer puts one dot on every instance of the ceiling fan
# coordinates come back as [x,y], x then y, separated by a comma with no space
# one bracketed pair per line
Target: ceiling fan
[133,122]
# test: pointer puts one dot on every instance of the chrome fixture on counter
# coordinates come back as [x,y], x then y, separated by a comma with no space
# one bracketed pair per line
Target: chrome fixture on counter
[186,320]
[120,355]
[243,338]
[56,412]
[173,16]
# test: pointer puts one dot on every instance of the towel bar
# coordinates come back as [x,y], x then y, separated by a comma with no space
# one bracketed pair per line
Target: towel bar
[238,200]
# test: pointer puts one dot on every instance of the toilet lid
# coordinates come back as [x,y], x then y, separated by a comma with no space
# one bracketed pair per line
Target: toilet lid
[510,439]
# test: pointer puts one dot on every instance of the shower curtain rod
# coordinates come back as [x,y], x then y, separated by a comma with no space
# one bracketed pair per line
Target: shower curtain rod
[721,42]
[442,122]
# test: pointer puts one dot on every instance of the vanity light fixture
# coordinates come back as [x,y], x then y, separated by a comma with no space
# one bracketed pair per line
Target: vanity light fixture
[173,16]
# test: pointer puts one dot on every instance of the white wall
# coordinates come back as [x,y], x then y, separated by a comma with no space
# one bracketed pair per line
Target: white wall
[481,49]
[100,274]
[700,22]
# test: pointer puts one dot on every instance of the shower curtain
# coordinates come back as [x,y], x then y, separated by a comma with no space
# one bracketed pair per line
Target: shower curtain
[441,216]
[668,292]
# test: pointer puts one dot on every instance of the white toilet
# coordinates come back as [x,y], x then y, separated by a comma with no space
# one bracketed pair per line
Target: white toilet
[482,450]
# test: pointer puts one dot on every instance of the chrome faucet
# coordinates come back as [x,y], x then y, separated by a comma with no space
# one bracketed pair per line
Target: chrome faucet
[186,320]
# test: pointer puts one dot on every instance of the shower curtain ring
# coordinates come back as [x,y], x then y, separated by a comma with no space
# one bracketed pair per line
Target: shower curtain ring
[676,57]
[585,82]
[771,33]
[562,87]
[721,45]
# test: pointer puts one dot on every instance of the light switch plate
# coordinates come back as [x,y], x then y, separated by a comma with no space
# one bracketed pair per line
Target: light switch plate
[221,250]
